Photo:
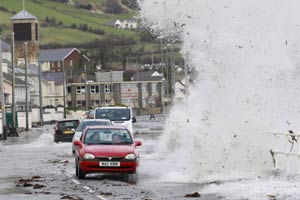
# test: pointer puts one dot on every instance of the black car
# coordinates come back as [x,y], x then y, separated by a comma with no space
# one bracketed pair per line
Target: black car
[65,129]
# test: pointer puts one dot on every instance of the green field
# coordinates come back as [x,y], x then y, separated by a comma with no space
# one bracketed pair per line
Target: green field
[68,15]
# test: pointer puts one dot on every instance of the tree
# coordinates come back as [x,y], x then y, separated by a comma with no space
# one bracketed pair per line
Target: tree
[132,4]
[113,7]
[124,50]
[103,52]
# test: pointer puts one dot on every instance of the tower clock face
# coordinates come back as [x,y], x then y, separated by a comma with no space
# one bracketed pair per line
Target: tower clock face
[22,31]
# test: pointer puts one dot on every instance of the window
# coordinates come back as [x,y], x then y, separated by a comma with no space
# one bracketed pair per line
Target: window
[154,87]
[144,87]
[108,88]
[144,103]
[51,87]
[130,85]
[80,89]
[56,102]
[80,103]
[69,90]
[95,102]
[71,62]
[94,89]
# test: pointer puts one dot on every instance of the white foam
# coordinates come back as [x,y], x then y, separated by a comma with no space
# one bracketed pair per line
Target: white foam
[247,56]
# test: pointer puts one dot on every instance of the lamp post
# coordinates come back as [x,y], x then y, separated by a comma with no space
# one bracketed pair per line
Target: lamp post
[86,90]
[172,72]
[64,89]
[26,85]
[40,92]
[2,96]
[161,51]
[186,76]
[13,110]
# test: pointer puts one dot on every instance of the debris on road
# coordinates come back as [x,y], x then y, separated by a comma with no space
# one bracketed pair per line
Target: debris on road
[195,194]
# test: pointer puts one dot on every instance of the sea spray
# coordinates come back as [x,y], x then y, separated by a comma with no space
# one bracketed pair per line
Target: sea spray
[247,57]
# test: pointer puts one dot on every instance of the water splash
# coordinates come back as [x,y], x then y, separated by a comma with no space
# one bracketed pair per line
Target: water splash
[246,53]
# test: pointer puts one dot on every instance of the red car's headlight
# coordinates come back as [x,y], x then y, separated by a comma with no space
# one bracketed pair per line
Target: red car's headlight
[88,156]
[130,156]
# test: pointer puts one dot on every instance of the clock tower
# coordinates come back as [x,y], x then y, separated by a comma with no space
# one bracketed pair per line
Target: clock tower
[26,29]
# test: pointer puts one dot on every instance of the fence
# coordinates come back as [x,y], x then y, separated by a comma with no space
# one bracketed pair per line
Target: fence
[286,151]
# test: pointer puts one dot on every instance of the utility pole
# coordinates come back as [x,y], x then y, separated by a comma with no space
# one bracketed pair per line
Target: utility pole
[172,73]
[64,89]
[167,78]
[40,92]
[26,84]
[2,96]
[186,76]
[111,88]
[13,110]
[86,90]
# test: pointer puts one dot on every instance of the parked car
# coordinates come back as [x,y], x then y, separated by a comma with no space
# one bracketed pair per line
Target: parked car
[83,124]
[106,149]
[65,129]
[90,114]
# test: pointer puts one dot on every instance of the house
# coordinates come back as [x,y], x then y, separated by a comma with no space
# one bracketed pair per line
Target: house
[118,24]
[130,24]
[125,24]
[139,94]
[6,51]
[109,76]
[147,76]
[69,60]
[53,88]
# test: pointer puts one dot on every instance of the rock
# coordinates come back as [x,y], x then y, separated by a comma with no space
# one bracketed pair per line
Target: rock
[195,194]
[38,186]
[271,197]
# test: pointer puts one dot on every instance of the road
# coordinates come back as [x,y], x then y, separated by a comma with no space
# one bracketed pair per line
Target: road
[34,167]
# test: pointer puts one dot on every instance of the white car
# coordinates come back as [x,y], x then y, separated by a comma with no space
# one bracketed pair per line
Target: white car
[85,123]
[119,116]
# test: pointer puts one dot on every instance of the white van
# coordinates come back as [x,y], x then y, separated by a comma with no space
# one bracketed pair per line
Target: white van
[122,116]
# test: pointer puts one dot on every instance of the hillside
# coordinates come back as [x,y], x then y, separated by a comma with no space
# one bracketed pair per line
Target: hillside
[70,21]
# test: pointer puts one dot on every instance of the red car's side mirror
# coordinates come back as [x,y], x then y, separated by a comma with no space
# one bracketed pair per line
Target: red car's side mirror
[137,143]
[78,143]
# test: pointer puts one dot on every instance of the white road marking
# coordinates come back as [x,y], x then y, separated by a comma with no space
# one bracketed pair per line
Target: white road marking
[75,181]
[68,174]
[85,187]
[101,197]
[88,189]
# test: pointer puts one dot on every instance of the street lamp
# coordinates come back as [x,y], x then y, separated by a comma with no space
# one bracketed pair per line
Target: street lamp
[2,97]
[86,90]
[172,72]
[186,84]
[26,85]
[161,49]
[13,110]
[64,89]
[40,92]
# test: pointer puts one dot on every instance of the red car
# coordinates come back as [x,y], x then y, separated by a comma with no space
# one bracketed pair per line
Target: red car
[106,149]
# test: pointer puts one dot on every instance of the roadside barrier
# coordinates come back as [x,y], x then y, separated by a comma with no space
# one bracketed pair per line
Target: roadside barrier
[287,145]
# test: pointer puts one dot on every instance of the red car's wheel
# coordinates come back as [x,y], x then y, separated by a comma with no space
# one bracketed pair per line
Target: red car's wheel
[79,172]
[130,178]
[76,168]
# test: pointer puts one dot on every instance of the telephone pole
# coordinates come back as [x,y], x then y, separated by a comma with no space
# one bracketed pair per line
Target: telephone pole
[40,92]
[26,85]
[2,96]
[64,89]
[13,110]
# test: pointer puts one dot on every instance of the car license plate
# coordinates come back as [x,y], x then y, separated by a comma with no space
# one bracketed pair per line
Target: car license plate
[109,164]
[68,132]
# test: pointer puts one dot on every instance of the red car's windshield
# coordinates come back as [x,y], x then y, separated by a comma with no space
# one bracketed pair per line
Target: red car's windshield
[107,136]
